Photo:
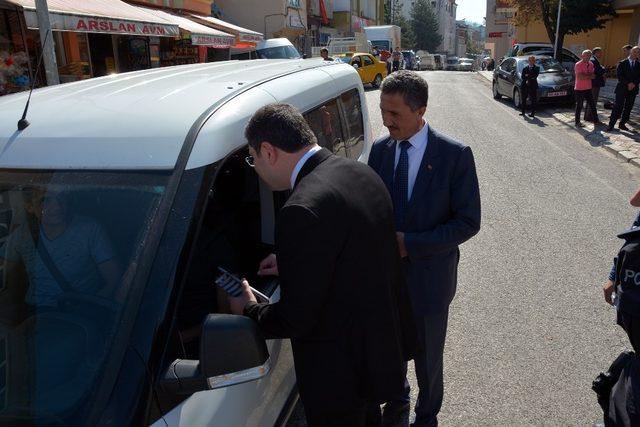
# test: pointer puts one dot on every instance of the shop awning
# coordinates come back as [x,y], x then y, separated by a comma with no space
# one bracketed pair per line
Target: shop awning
[99,16]
[201,35]
[242,34]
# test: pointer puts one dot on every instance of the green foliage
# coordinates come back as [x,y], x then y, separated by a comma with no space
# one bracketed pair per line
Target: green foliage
[424,25]
[577,15]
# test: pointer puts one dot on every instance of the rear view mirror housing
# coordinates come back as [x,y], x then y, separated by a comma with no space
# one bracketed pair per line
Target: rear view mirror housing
[232,351]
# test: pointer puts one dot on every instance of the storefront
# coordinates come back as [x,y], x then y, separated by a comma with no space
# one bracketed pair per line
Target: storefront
[14,50]
[245,40]
[95,38]
[197,42]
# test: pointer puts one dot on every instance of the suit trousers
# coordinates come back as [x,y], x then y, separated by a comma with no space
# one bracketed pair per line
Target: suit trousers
[581,96]
[531,93]
[432,332]
[588,114]
[623,105]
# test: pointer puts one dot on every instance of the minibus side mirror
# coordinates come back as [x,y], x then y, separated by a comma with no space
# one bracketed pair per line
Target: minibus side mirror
[232,351]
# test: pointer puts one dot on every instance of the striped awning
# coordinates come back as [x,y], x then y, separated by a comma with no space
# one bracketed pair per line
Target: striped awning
[99,16]
[243,34]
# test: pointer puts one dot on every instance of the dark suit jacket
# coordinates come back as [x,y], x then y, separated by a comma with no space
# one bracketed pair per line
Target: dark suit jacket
[627,75]
[344,301]
[443,212]
[599,71]
[530,77]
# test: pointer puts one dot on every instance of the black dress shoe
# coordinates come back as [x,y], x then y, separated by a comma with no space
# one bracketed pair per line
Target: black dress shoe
[522,114]
[623,126]
[532,115]
[579,125]
[395,415]
[610,129]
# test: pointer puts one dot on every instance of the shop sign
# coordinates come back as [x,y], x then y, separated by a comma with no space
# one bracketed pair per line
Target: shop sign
[212,41]
[294,3]
[496,35]
[295,21]
[255,38]
[86,24]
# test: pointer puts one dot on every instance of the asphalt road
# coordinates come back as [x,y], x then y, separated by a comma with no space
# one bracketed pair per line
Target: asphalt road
[528,329]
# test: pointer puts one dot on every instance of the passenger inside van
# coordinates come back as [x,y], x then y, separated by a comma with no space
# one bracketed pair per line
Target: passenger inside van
[59,251]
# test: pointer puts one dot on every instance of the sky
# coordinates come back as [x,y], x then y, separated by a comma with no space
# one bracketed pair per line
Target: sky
[471,10]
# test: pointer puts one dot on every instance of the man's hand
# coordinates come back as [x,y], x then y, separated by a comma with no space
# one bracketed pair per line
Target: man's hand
[608,289]
[401,247]
[631,86]
[238,304]
[269,266]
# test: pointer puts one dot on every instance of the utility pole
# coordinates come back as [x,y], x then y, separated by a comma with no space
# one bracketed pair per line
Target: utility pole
[48,48]
[555,47]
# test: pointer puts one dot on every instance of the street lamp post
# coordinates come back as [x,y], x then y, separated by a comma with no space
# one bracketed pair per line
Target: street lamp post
[555,47]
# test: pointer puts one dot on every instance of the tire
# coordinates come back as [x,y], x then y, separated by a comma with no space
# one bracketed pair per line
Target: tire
[496,93]
[377,81]
[517,98]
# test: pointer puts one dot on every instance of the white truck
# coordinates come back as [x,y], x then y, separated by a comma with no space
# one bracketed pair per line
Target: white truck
[384,37]
[340,45]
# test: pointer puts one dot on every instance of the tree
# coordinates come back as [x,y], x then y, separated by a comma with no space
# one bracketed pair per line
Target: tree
[424,25]
[577,15]
[393,15]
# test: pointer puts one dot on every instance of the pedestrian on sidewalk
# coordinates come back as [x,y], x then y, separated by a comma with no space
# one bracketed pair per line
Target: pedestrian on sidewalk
[628,73]
[529,86]
[597,82]
[584,70]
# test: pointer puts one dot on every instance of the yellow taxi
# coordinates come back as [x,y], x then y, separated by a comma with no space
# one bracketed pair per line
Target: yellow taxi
[370,69]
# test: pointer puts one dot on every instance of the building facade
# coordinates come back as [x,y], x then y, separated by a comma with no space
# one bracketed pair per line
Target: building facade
[446,14]
[500,29]
[273,18]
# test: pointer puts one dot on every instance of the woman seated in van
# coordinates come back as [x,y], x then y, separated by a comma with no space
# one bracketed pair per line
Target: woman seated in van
[59,252]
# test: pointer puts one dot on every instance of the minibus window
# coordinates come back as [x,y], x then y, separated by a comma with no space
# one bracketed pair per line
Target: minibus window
[326,124]
[230,237]
[354,123]
[69,246]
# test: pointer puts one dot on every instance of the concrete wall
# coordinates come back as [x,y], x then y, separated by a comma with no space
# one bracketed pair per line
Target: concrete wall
[253,17]
[198,6]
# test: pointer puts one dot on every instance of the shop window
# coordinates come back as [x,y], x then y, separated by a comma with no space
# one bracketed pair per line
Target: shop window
[325,123]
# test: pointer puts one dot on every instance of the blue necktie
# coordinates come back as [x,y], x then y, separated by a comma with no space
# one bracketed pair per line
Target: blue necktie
[401,186]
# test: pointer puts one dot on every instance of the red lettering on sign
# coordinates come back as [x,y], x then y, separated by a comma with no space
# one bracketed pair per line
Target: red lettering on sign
[93,26]
[131,28]
[145,30]
[161,31]
[81,25]
[104,26]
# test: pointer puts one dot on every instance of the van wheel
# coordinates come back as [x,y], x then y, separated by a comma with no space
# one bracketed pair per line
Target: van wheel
[517,99]
[377,81]
[496,94]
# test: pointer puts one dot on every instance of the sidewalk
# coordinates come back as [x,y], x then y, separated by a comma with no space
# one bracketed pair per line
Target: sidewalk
[624,145]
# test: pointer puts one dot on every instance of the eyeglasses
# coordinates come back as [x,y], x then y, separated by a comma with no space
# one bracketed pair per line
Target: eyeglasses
[250,161]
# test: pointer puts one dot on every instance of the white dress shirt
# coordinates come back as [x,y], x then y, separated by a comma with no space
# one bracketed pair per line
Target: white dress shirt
[301,162]
[415,152]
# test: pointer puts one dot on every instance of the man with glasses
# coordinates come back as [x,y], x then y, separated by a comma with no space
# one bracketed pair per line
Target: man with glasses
[344,303]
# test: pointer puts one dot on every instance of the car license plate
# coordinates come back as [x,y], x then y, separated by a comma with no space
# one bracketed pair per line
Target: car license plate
[560,93]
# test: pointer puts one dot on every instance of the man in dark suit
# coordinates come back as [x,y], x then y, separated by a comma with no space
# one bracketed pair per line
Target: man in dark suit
[434,188]
[628,72]
[529,86]
[344,301]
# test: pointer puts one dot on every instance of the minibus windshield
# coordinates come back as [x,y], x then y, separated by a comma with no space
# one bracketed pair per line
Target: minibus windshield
[69,248]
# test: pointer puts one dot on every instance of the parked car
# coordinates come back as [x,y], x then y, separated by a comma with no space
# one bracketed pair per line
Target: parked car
[555,83]
[465,64]
[370,69]
[409,59]
[151,167]
[569,58]
[452,64]
[280,48]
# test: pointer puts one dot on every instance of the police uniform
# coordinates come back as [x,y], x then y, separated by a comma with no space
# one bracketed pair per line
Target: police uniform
[628,285]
